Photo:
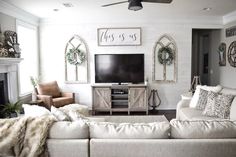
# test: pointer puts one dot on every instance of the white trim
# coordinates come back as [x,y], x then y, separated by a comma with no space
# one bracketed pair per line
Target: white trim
[18,13]
[228,18]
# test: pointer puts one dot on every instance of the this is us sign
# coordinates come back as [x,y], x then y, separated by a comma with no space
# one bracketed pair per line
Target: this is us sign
[119,36]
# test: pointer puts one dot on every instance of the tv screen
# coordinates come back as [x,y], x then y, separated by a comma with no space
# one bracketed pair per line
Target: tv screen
[119,68]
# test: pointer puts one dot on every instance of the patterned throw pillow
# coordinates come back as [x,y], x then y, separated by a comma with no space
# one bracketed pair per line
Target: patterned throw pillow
[218,105]
[210,106]
[202,101]
[223,104]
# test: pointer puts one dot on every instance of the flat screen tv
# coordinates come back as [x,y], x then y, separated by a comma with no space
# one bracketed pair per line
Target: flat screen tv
[119,68]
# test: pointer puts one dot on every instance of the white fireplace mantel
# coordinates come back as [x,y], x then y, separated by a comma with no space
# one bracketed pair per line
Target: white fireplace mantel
[10,66]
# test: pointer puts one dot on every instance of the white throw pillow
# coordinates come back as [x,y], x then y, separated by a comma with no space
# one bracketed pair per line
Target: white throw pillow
[107,130]
[202,129]
[195,98]
[35,110]
[60,115]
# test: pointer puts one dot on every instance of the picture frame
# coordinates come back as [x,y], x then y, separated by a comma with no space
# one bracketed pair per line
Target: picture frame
[222,54]
[130,36]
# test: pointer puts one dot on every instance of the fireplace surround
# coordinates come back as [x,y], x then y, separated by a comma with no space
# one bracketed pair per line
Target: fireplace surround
[9,70]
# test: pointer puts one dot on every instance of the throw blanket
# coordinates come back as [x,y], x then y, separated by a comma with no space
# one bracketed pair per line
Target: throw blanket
[25,136]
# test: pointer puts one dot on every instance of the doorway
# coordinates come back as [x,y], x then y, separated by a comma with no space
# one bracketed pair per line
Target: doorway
[201,46]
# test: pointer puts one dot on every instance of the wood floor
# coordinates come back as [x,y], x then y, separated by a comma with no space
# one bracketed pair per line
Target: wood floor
[169,114]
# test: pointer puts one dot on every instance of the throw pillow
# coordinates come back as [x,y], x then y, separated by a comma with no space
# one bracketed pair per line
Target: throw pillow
[223,104]
[82,109]
[210,108]
[218,105]
[195,97]
[50,88]
[202,101]
[60,115]
[35,111]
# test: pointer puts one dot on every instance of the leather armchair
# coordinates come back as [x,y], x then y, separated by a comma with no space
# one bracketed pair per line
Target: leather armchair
[50,94]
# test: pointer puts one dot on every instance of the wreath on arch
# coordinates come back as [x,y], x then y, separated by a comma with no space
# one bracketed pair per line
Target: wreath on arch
[165,55]
[75,56]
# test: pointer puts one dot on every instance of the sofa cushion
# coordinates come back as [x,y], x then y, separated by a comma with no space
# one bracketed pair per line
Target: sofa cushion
[107,130]
[195,97]
[200,129]
[193,114]
[230,91]
[233,110]
[69,130]
[50,88]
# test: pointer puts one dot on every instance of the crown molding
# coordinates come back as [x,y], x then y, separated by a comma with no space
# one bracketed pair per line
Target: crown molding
[18,13]
[228,18]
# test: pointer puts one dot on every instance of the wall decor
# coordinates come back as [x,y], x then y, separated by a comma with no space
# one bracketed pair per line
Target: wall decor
[222,54]
[119,36]
[232,54]
[229,32]
[76,61]
[164,59]
[11,44]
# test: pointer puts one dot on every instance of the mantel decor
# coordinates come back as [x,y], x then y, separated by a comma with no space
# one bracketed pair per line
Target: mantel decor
[119,36]
[76,61]
[222,54]
[164,59]
[232,54]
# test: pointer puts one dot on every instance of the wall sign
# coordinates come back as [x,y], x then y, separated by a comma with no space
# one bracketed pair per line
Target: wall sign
[119,36]
[230,31]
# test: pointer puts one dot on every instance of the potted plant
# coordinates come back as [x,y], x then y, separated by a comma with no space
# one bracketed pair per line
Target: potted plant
[11,109]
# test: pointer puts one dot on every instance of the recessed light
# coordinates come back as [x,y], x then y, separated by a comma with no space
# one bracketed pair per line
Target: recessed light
[207,9]
[56,10]
[68,5]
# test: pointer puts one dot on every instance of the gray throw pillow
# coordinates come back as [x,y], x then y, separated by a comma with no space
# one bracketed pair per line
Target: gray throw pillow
[218,105]
[202,101]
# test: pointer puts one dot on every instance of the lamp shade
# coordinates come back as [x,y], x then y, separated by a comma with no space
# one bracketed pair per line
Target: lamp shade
[135,5]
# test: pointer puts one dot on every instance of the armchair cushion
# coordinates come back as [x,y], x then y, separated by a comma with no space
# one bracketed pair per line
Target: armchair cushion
[62,101]
[50,88]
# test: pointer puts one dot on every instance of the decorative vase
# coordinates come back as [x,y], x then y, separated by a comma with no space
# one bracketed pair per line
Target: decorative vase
[34,95]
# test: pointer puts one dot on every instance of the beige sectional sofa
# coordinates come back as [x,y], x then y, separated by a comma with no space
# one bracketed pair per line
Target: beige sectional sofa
[186,108]
[152,136]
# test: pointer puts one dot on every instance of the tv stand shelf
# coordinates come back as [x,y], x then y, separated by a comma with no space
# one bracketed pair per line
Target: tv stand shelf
[120,98]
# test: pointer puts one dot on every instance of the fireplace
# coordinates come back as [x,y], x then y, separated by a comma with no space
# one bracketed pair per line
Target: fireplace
[3,89]
[9,79]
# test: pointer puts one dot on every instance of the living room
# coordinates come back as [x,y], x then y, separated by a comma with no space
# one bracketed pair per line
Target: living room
[57,22]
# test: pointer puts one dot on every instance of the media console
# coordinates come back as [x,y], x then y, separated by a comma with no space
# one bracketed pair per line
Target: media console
[120,98]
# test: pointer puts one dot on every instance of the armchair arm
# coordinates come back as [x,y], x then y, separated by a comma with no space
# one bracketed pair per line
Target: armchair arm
[182,104]
[47,100]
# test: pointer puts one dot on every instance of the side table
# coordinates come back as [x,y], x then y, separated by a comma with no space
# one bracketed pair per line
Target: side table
[187,95]
[37,102]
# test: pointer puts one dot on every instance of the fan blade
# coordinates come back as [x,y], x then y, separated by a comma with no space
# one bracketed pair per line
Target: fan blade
[157,1]
[114,3]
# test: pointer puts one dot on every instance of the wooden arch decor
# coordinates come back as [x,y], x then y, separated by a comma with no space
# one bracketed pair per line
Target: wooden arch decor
[165,60]
[76,61]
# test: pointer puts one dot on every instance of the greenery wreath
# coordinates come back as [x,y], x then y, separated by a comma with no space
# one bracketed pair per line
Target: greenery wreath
[75,56]
[165,55]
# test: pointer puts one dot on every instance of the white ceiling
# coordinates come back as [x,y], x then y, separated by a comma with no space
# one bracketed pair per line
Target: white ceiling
[44,8]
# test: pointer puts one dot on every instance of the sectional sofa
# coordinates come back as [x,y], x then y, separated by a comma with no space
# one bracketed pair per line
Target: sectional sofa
[152,136]
[186,108]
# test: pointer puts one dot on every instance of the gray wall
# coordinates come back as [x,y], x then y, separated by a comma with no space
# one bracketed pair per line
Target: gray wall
[223,75]
[7,22]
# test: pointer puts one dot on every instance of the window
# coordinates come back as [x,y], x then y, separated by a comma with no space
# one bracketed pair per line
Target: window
[27,38]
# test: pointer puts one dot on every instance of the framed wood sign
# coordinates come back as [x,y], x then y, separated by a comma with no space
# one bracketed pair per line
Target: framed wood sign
[119,36]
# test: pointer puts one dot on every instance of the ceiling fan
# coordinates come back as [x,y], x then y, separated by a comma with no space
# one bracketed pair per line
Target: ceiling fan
[136,4]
